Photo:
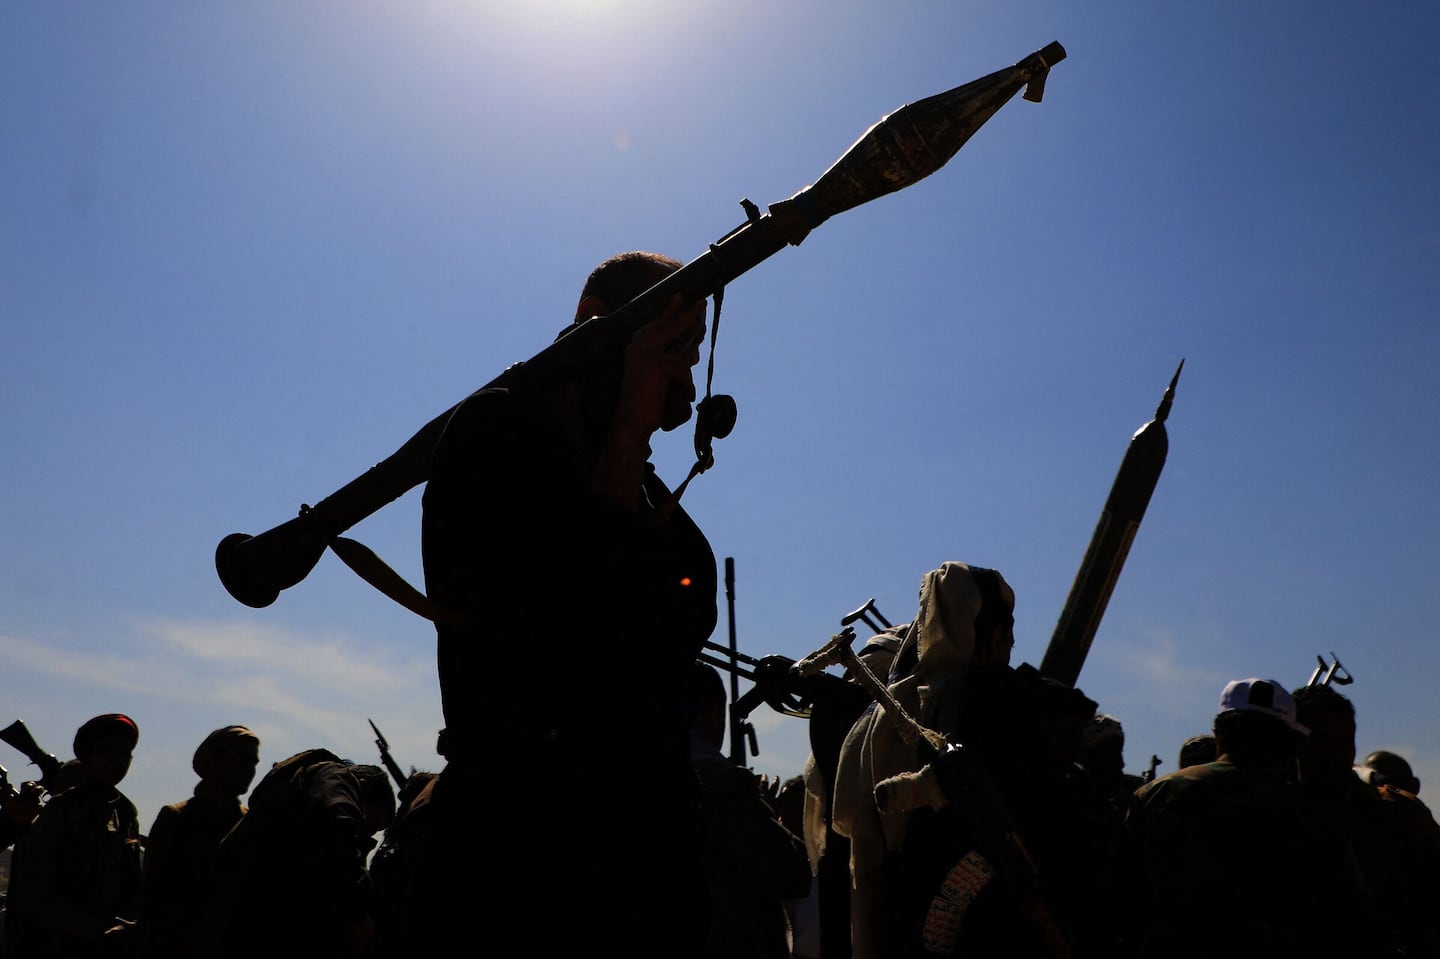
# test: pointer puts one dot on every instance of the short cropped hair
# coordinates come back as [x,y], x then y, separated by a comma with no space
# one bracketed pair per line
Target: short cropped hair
[1312,702]
[624,276]
[1255,739]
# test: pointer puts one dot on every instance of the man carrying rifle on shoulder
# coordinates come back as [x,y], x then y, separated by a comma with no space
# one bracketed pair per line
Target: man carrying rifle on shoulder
[548,536]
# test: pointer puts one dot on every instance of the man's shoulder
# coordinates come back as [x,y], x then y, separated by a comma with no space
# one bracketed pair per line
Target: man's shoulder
[1188,781]
[170,814]
[1406,810]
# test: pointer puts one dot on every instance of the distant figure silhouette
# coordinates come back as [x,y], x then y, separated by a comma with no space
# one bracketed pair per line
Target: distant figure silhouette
[1396,840]
[292,872]
[1235,841]
[1197,750]
[75,881]
[181,847]
[581,592]
[1392,769]
[756,864]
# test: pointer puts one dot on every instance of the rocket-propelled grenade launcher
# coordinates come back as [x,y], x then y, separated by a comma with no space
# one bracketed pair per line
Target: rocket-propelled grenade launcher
[902,148]
[1109,545]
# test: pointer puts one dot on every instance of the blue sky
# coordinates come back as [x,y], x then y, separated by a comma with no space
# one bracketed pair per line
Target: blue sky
[247,250]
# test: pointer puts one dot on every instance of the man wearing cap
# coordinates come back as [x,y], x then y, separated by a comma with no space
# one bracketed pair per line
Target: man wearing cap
[1235,842]
[181,846]
[75,885]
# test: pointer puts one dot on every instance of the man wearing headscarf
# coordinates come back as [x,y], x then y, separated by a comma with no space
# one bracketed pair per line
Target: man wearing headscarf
[181,846]
[75,881]
[949,876]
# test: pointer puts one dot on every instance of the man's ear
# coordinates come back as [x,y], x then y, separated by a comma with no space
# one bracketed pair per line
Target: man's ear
[590,306]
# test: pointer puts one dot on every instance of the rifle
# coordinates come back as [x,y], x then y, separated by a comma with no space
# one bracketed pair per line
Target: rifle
[386,758]
[1149,775]
[1327,673]
[903,147]
[18,736]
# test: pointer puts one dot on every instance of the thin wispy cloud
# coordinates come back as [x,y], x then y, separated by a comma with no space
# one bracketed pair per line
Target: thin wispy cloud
[326,659]
[314,683]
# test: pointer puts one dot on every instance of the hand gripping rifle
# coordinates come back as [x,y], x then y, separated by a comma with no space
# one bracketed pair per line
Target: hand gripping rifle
[902,148]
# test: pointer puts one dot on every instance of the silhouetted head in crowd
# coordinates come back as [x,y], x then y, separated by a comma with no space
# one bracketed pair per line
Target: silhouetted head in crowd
[1255,726]
[226,760]
[1391,769]
[377,796]
[1102,751]
[705,700]
[1327,755]
[1197,750]
[104,747]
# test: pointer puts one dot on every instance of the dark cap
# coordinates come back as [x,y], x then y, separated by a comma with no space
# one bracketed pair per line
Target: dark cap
[108,724]
[213,746]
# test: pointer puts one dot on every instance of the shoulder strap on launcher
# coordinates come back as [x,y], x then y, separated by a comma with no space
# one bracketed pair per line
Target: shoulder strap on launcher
[377,573]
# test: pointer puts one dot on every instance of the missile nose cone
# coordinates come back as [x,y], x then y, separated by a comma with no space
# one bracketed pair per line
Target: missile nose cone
[1163,410]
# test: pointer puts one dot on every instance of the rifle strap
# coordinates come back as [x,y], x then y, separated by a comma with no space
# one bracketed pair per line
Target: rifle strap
[374,571]
[704,437]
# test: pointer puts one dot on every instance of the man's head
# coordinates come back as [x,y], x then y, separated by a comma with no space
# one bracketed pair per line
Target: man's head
[227,759]
[1327,755]
[995,622]
[705,700]
[621,278]
[966,620]
[377,796]
[1102,750]
[104,745]
[1391,769]
[1063,713]
[1197,750]
[1255,725]
[615,282]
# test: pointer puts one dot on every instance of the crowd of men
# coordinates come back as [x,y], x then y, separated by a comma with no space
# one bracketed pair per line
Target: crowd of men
[953,804]
[1031,839]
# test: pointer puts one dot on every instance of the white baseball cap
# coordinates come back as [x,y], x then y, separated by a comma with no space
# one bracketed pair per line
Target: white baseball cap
[1261,696]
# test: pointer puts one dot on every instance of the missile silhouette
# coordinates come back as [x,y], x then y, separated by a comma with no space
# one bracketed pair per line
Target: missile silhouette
[1109,545]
